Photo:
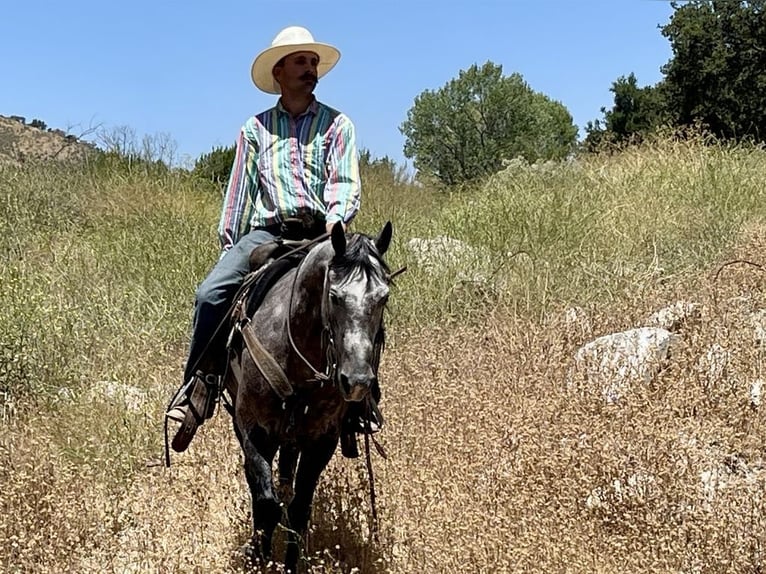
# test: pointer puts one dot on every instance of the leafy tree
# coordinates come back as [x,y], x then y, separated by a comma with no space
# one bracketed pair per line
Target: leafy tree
[635,113]
[216,165]
[465,129]
[39,124]
[717,75]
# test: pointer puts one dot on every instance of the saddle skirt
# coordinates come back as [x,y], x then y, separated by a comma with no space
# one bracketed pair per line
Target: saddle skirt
[268,263]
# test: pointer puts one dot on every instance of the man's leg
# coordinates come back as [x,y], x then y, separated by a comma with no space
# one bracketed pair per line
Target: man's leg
[207,354]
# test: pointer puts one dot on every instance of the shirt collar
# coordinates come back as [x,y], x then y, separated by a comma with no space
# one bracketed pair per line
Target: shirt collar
[312,109]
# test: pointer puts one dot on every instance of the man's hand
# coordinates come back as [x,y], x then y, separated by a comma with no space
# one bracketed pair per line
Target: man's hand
[329,226]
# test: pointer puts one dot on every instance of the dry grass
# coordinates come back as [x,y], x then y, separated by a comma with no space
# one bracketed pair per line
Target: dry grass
[495,463]
[491,462]
[500,458]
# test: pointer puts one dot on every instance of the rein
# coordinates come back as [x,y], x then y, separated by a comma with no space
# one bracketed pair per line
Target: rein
[321,377]
[329,373]
[268,367]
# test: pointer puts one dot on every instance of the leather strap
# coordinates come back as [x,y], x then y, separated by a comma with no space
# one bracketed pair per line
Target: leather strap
[268,366]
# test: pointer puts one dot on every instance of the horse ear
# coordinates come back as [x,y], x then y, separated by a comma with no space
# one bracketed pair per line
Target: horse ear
[338,237]
[383,240]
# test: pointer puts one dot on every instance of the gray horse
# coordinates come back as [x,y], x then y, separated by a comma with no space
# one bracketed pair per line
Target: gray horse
[321,323]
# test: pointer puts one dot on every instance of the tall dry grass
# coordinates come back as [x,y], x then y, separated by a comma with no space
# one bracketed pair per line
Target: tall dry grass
[494,462]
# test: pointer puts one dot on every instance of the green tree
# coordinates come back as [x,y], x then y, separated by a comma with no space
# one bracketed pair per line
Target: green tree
[215,165]
[717,75]
[635,113]
[465,129]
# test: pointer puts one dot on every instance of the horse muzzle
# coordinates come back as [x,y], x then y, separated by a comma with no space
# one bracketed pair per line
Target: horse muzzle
[355,388]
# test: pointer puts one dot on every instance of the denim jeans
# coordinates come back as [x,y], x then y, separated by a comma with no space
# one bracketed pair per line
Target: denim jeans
[213,298]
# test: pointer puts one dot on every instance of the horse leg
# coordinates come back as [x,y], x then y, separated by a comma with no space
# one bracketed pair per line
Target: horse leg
[288,458]
[259,453]
[313,461]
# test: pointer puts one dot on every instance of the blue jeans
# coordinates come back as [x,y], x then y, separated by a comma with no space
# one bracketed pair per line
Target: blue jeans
[214,296]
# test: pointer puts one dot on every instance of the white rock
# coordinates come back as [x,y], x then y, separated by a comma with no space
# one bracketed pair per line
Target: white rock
[132,397]
[596,499]
[619,360]
[636,488]
[443,252]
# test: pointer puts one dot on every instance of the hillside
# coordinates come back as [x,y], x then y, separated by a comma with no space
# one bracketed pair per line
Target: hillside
[506,453]
[21,143]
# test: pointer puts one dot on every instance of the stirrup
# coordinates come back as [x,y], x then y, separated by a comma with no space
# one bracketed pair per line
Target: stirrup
[191,406]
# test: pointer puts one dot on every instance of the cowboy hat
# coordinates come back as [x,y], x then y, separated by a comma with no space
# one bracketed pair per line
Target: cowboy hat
[290,40]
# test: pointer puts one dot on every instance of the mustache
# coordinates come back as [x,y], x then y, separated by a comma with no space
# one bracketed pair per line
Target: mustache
[309,76]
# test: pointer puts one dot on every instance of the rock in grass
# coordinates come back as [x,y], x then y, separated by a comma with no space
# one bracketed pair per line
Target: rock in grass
[617,361]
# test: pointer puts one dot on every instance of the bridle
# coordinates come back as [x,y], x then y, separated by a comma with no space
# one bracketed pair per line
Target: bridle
[328,335]
[329,373]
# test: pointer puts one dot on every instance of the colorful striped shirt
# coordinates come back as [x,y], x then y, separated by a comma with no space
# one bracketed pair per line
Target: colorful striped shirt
[291,167]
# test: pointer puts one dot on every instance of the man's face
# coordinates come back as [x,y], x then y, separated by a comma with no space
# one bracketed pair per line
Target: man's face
[298,74]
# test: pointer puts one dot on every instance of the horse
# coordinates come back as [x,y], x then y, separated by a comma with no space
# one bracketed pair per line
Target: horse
[317,334]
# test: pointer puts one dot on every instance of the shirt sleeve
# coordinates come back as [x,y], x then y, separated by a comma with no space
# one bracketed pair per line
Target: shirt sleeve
[240,191]
[342,193]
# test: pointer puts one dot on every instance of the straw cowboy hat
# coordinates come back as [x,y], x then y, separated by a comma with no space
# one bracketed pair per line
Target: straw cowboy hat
[290,40]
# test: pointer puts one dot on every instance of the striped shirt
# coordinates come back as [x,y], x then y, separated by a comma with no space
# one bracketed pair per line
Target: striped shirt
[289,167]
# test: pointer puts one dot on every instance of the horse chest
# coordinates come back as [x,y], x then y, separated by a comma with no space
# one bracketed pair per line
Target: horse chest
[310,415]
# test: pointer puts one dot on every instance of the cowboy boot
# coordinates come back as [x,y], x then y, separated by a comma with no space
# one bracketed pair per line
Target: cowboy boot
[191,406]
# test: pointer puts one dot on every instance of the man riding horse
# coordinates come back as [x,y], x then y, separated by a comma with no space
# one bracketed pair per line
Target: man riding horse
[295,175]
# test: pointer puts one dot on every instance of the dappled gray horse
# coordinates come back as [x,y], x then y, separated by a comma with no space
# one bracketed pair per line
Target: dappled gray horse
[322,324]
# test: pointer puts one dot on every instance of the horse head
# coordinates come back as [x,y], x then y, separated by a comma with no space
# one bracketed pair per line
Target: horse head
[355,295]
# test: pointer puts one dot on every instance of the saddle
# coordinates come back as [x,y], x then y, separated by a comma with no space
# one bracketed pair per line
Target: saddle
[269,262]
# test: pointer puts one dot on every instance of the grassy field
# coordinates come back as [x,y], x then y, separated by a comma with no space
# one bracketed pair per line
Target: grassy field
[495,464]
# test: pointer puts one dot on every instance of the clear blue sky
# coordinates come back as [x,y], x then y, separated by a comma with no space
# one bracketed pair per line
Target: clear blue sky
[183,67]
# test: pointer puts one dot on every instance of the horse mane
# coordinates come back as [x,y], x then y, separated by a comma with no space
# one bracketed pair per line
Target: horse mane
[361,254]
